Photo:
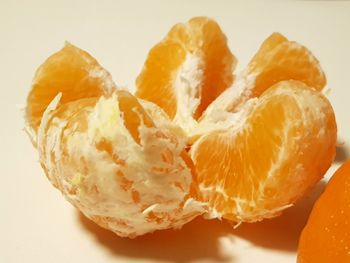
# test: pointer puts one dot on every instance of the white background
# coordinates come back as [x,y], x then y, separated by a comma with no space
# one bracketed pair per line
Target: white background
[38,225]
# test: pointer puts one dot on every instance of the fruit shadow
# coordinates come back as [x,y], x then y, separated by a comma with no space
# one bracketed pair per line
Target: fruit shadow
[199,239]
[342,153]
[283,232]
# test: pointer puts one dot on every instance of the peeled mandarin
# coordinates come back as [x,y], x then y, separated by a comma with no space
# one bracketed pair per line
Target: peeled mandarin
[195,139]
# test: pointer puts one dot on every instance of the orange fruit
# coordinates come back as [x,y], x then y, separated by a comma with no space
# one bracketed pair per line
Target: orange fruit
[326,236]
[125,171]
[265,162]
[70,69]
[277,59]
[187,70]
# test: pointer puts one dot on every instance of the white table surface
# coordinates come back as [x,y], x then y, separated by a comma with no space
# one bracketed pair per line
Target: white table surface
[38,225]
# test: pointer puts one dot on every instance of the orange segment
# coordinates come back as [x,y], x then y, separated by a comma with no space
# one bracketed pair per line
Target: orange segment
[279,59]
[283,148]
[326,236]
[133,114]
[71,71]
[155,81]
[188,69]
[269,44]
[203,37]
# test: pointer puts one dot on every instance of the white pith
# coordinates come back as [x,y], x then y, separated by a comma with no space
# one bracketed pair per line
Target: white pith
[98,192]
[188,88]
